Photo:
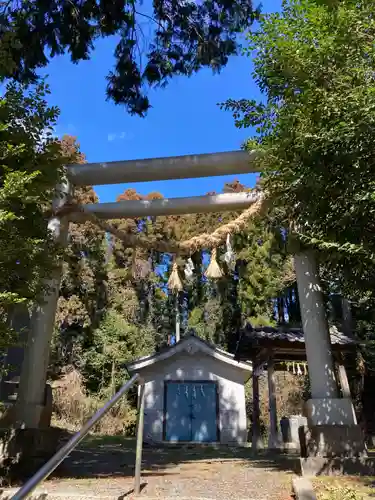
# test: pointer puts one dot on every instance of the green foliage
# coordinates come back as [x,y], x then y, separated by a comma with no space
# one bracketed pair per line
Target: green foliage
[186,37]
[248,291]
[83,290]
[314,65]
[30,166]
[208,321]
[196,322]
[343,493]
[261,271]
[114,343]
[258,321]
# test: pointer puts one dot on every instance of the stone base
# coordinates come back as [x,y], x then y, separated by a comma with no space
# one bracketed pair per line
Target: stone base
[275,443]
[44,412]
[337,466]
[303,489]
[330,411]
[24,451]
[291,448]
[257,443]
[327,441]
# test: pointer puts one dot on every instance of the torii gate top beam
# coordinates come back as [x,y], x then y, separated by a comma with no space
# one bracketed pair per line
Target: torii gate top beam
[161,169]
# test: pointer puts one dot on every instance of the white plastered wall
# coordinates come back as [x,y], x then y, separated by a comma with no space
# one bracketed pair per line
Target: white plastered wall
[199,366]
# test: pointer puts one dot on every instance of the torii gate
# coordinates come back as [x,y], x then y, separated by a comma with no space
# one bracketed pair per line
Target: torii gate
[324,407]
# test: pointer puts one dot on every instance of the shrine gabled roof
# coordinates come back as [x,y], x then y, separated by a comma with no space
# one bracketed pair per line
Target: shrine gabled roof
[192,345]
[292,335]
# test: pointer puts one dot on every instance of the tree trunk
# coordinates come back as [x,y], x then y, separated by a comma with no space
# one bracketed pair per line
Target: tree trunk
[113,378]
[280,310]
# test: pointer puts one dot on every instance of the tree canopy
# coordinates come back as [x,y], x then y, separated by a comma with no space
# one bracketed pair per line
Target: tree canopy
[315,67]
[314,125]
[30,166]
[186,36]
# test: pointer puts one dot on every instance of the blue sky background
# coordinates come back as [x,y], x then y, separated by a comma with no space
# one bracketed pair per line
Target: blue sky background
[185,118]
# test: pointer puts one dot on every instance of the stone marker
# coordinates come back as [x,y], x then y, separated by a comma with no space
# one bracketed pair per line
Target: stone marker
[303,489]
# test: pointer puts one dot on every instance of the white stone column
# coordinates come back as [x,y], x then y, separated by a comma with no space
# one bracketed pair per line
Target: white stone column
[325,407]
[31,393]
[315,327]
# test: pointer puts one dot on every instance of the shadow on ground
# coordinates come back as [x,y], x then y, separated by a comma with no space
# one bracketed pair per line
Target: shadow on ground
[116,457]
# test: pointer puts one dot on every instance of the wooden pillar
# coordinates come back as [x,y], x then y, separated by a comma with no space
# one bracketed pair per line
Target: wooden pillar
[256,434]
[140,425]
[273,431]
[343,378]
[347,320]
[344,383]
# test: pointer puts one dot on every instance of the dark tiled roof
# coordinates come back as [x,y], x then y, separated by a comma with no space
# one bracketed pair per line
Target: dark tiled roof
[291,335]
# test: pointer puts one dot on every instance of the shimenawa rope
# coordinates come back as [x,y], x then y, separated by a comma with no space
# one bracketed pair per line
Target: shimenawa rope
[204,240]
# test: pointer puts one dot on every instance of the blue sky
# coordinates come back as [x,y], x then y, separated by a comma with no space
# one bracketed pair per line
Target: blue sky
[185,118]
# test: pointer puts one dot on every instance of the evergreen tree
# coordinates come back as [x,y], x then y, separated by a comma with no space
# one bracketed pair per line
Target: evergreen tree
[186,37]
[83,294]
[114,343]
[31,166]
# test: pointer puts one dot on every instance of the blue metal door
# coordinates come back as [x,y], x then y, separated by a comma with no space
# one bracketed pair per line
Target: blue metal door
[204,412]
[178,410]
[191,411]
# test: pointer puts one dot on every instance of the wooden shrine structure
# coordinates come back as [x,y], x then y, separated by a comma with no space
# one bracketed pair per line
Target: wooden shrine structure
[279,349]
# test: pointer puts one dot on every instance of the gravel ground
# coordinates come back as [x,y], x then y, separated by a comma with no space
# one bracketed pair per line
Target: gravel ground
[181,473]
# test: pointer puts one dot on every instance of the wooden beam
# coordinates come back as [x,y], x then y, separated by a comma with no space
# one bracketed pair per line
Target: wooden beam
[261,357]
[344,382]
[162,169]
[343,378]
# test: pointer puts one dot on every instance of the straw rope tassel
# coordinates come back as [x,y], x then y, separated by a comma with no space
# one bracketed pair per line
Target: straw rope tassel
[213,270]
[174,282]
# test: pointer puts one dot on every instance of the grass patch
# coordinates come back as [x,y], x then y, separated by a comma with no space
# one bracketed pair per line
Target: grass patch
[344,487]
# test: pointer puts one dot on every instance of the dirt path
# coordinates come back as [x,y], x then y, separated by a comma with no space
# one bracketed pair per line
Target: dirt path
[183,472]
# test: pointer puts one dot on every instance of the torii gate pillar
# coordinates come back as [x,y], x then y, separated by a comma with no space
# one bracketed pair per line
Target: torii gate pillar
[31,399]
[331,420]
